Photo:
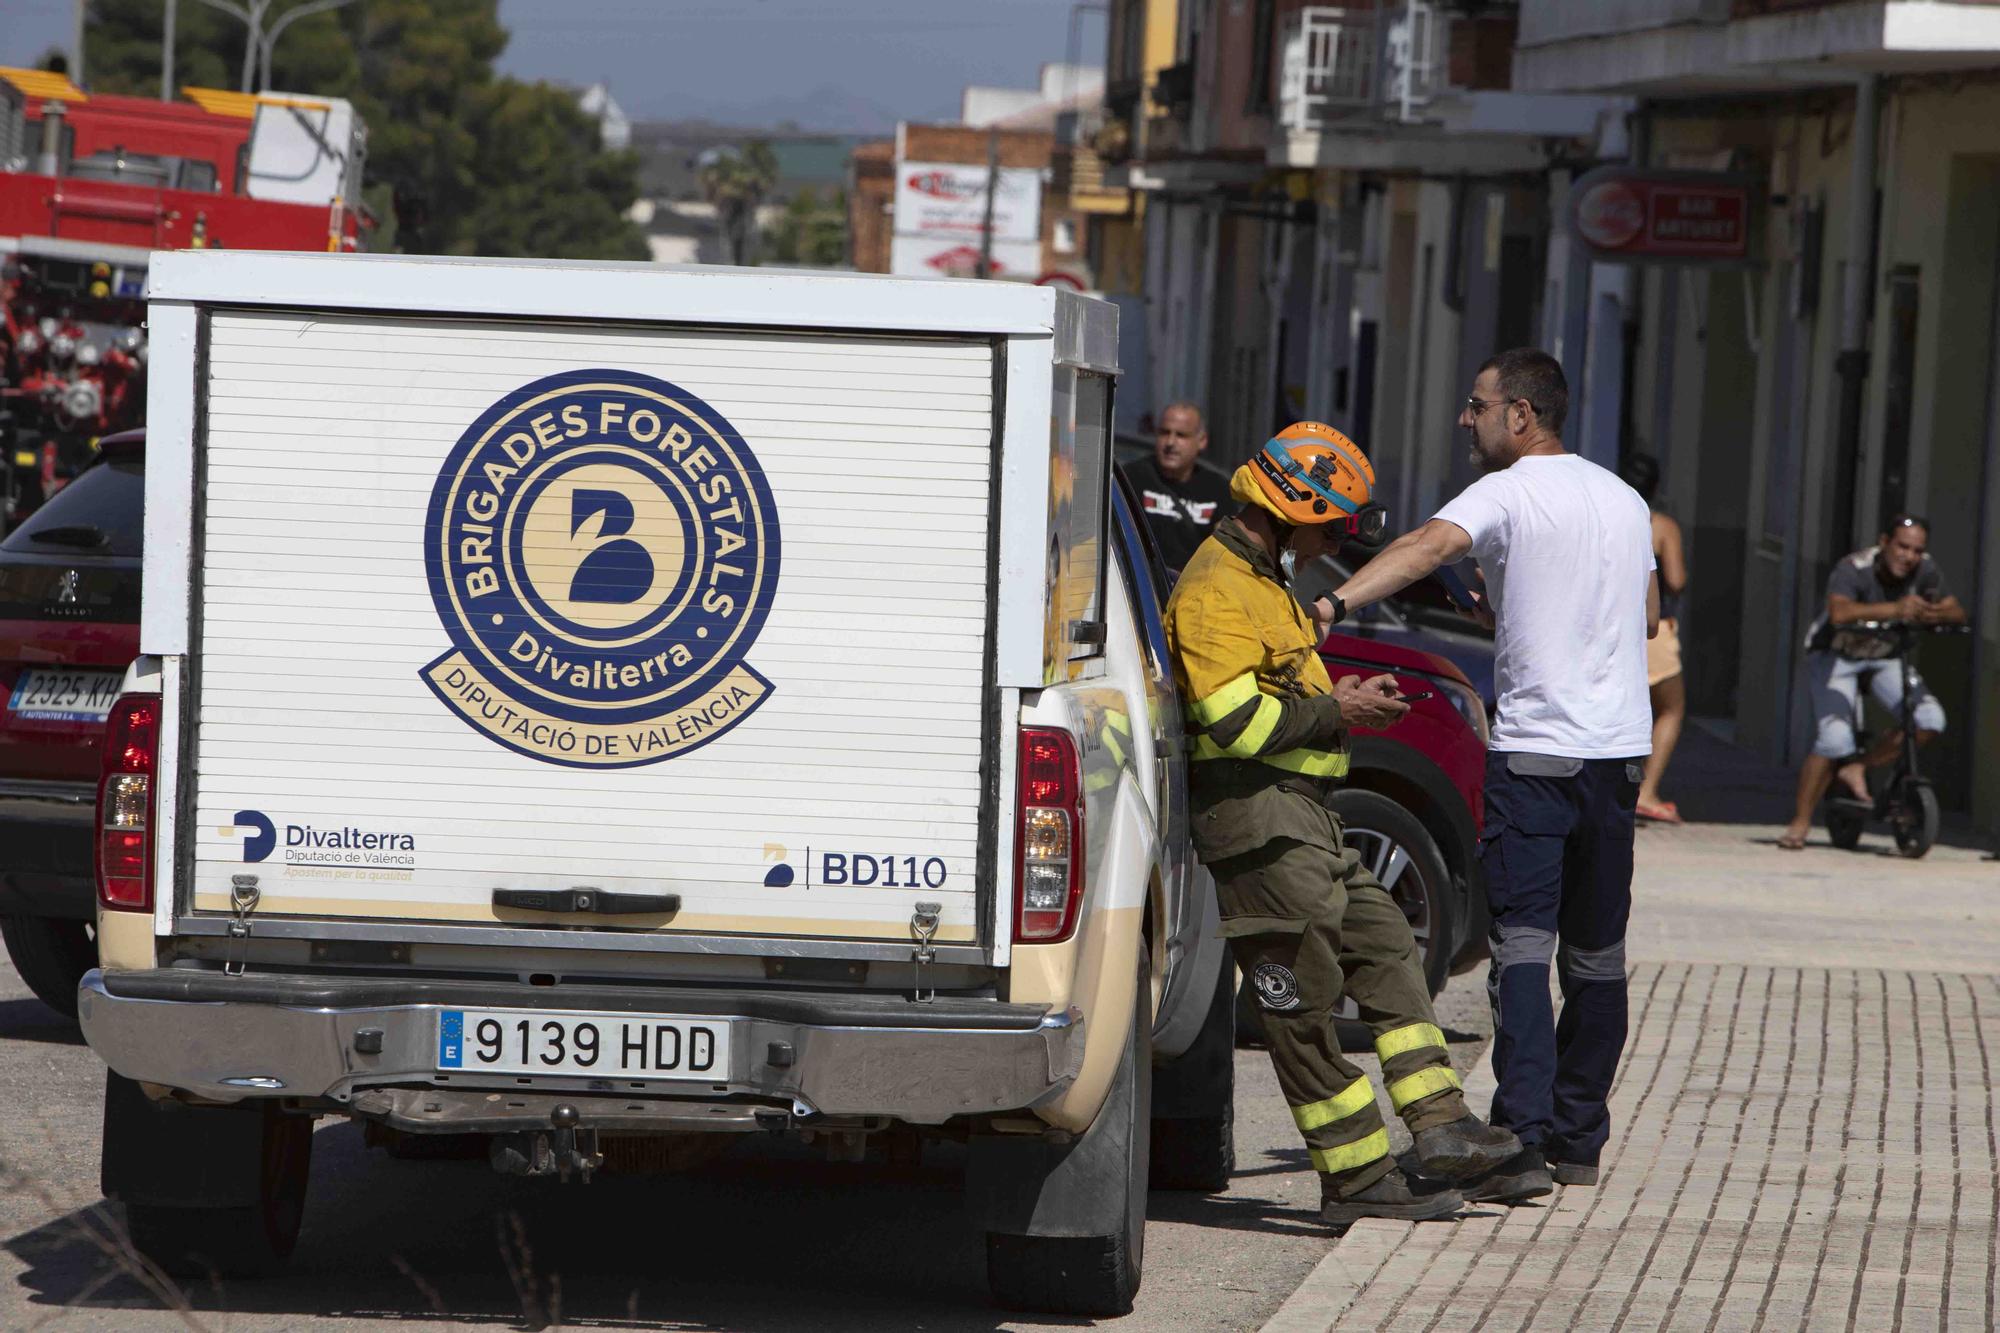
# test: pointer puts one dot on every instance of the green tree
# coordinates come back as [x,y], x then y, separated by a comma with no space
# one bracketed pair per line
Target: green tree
[812,231]
[736,180]
[548,189]
[467,162]
[122,46]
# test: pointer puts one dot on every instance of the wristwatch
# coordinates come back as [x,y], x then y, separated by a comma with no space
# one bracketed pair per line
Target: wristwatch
[1339,607]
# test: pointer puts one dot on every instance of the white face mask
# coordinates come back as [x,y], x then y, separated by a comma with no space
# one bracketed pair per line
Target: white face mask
[1288,563]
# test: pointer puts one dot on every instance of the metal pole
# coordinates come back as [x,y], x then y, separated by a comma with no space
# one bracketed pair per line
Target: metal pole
[253,43]
[167,54]
[1851,365]
[76,48]
[270,41]
[992,189]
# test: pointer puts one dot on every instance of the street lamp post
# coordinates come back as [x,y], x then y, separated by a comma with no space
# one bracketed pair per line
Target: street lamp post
[285,21]
[253,17]
[258,45]
[167,54]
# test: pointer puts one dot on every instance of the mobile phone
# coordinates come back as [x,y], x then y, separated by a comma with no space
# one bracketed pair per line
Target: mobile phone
[1454,588]
[1416,698]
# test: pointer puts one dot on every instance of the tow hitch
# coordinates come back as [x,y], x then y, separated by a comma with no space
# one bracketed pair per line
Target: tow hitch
[556,1151]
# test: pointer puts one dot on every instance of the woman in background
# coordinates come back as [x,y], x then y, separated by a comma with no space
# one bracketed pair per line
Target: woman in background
[1663,652]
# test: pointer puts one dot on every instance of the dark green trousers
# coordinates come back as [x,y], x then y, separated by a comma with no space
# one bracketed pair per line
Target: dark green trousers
[1309,925]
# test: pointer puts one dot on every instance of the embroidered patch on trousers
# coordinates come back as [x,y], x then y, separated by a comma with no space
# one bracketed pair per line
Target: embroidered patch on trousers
[1277,988]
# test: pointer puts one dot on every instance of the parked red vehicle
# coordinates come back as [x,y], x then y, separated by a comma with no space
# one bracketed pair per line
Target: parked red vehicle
[91,185]
[69,625]
[1415,798]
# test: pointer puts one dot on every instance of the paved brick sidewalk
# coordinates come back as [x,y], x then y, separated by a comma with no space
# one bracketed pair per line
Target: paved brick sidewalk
[1793,1148]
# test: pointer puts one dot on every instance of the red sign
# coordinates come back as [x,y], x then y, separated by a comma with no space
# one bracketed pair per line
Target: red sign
[945,185]
[1662,215]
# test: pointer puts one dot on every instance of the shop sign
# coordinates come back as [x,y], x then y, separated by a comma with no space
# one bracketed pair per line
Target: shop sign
[939,199]
[1639,216]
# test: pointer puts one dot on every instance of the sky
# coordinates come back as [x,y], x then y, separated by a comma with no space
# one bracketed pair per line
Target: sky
[828,64]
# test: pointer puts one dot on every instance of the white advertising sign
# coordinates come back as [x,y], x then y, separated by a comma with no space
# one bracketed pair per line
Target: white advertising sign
[949,199]
[958,257]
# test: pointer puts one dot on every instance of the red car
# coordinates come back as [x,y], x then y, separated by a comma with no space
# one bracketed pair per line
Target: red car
[69,625]
[1415,798]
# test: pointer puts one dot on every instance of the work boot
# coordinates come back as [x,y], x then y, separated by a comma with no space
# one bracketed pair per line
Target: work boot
[1394,1196]
[1521,1177]
[1567,1170]
[1573,1171]
[1464,1148]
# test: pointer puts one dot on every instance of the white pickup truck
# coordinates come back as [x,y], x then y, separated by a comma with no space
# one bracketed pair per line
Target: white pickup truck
[582,704]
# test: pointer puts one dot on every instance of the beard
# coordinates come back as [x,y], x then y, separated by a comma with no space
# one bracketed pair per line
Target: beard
[1476,453]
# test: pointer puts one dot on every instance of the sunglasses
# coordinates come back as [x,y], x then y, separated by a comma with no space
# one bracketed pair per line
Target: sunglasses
[1478,405]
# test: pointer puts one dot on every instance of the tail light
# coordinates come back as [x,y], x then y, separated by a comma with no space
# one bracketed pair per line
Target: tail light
[125,804]
[1050,842]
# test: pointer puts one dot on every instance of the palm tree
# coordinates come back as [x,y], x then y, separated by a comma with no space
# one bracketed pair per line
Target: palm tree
[735,180]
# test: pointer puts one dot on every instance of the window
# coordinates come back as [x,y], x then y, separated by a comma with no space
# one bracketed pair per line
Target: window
[100,513]
[1261,56]
[1079,507]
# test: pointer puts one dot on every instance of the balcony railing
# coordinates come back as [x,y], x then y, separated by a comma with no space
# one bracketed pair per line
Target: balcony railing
[1342,63]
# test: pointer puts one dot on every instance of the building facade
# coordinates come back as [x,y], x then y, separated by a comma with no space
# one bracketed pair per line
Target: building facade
[1340,210]
[1848,370]
[1345,209]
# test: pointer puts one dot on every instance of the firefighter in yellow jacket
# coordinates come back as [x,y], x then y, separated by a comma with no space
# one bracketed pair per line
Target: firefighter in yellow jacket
[1306,921]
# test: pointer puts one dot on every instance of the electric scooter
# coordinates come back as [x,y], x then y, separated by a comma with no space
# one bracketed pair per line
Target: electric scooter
[1904,801]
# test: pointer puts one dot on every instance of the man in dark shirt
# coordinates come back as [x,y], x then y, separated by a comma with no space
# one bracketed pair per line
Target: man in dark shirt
[1896,579]
[1183,500]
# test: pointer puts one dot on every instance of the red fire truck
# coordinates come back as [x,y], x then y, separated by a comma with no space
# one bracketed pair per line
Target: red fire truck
[90,185]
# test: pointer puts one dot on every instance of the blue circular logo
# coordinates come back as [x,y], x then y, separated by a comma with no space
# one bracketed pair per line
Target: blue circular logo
[602,549]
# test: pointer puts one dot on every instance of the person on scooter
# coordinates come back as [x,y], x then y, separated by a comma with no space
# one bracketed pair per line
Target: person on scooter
[1895,579]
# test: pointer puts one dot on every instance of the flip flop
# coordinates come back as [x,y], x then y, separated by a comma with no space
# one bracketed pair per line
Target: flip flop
[1788,843]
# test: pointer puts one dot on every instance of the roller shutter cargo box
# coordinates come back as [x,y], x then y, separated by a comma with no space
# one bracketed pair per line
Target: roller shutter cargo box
[611,606]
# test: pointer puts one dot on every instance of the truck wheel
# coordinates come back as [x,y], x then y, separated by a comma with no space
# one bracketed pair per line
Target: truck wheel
[51,957]
[1093,1275]
[1194,1102]
[261,1160]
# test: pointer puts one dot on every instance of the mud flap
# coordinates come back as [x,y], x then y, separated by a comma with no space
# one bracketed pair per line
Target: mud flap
[179,1156]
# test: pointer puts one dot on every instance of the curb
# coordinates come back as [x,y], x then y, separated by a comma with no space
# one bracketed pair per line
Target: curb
[1354,1259]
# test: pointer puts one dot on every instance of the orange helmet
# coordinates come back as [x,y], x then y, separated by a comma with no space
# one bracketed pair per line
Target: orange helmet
[1311,474]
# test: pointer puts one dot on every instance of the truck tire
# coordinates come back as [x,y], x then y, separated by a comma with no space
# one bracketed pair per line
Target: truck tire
[1093,1275]
[1194,1102]
[208,1191]
[51,957]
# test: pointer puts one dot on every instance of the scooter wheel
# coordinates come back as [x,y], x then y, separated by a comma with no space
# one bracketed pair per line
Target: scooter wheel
[1843,827]
[1916,822]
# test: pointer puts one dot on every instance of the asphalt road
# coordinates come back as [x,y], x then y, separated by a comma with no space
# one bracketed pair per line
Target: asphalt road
[770,1236]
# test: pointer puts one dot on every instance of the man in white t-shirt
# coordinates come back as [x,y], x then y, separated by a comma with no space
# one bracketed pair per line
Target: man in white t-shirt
[1566,551]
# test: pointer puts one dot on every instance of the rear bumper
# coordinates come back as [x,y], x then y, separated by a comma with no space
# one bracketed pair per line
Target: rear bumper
[275,1035]
[45,849]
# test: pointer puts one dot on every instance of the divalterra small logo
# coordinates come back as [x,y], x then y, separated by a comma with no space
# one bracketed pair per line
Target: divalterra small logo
[602,549]
[259,836]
